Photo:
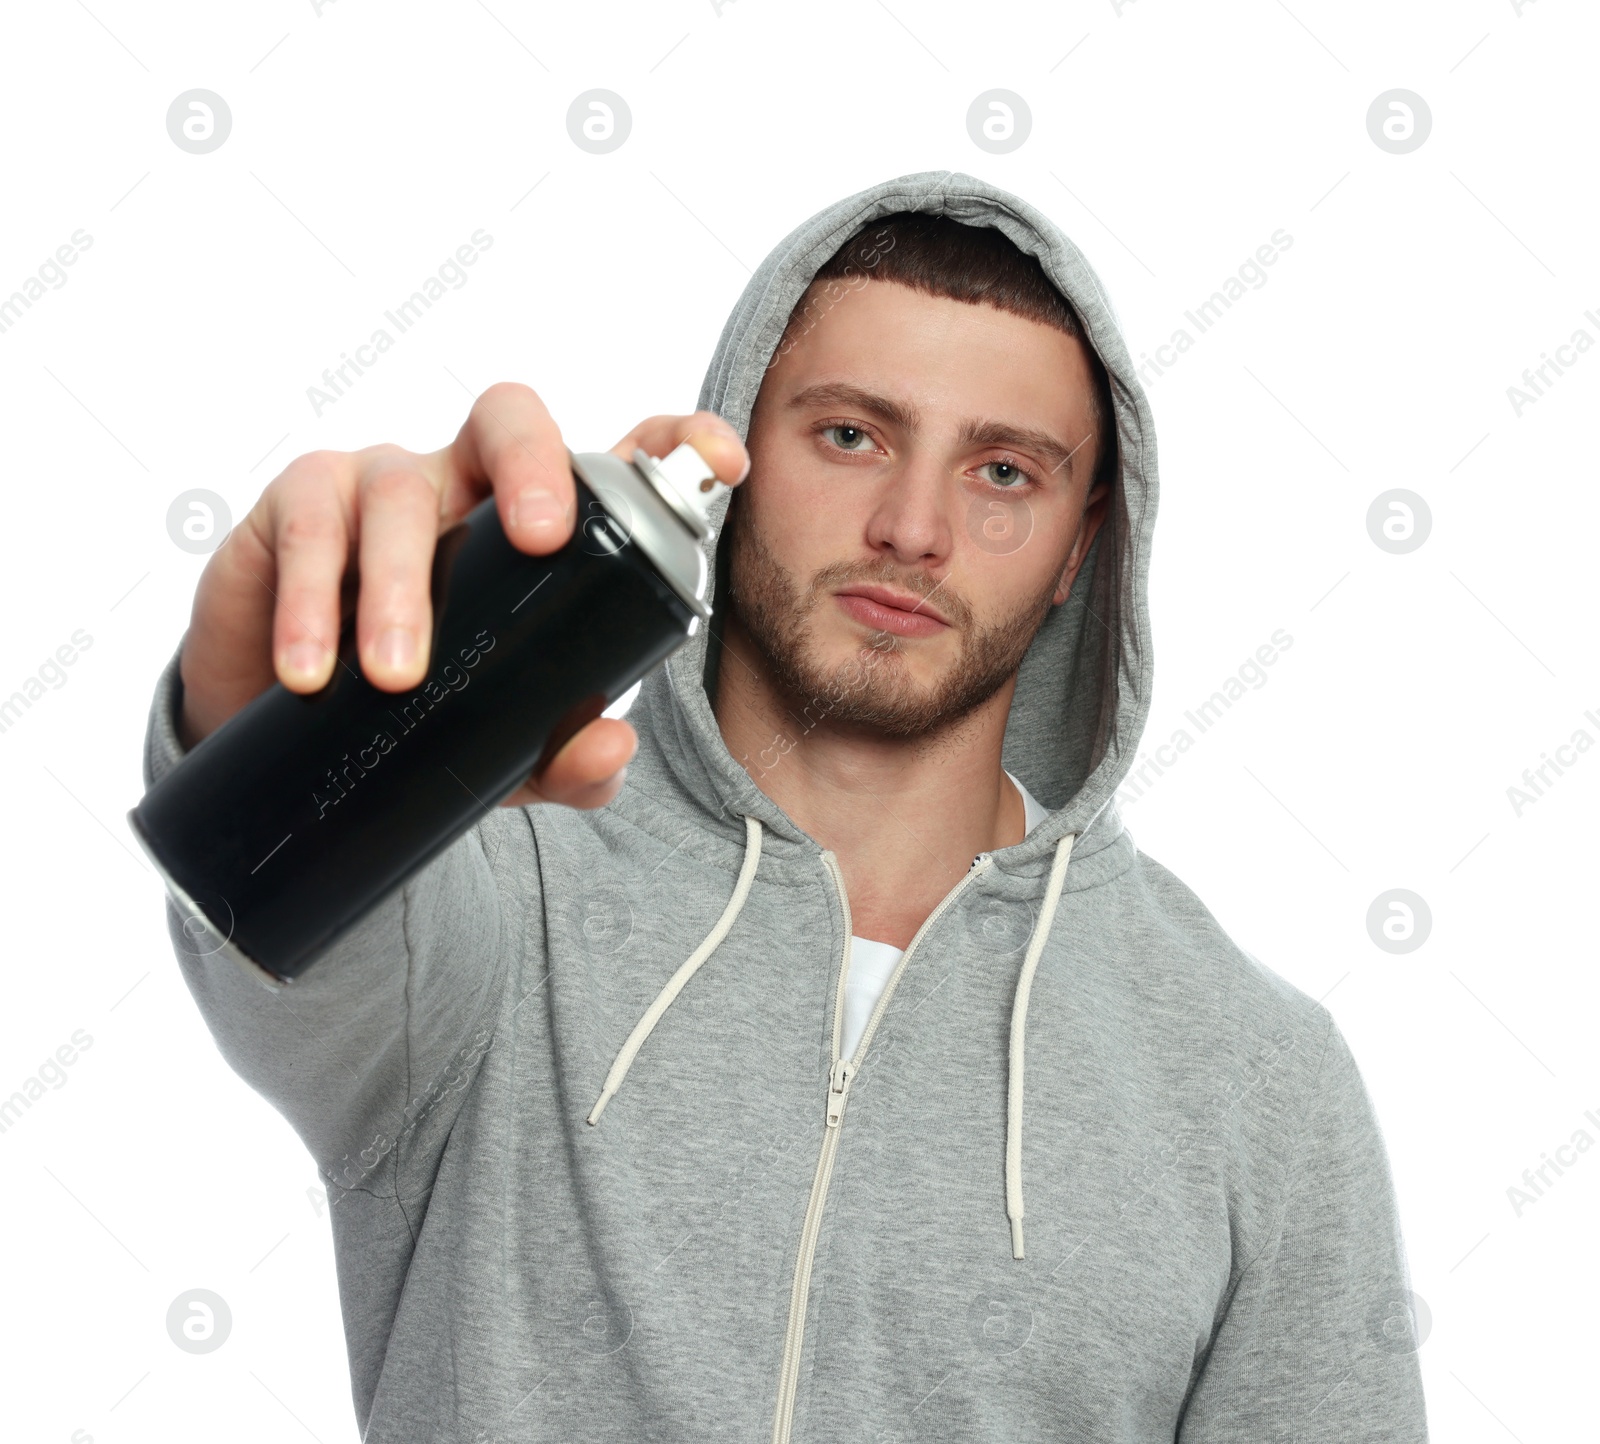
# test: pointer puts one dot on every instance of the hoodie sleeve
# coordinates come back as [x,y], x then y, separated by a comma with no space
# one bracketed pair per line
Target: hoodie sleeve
[1318,1343]
[384,1028]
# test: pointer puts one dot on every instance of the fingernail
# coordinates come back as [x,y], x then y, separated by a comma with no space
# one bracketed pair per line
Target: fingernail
[304,659]
[536,509]
[396,647]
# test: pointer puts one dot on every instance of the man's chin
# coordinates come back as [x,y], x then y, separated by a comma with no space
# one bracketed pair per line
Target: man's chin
[871,681]
[919,662]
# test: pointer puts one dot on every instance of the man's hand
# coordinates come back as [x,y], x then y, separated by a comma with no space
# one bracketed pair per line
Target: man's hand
[268,604]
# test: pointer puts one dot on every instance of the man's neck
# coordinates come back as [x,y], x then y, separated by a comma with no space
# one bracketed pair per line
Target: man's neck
[904,816]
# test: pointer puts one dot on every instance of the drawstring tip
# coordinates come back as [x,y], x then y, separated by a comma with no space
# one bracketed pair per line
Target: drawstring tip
[600,1105]
[1016,1238]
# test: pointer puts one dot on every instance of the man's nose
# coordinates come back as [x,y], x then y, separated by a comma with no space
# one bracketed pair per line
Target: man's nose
[911,520]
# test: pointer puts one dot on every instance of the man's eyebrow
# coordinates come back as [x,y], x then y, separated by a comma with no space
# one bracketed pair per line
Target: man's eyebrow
[1056,453]
[856,398]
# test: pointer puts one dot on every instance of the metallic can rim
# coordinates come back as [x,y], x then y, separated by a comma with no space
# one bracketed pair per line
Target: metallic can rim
[662,534]
[190,908]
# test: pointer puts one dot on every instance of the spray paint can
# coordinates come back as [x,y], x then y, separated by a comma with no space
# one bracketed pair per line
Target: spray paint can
[287,825]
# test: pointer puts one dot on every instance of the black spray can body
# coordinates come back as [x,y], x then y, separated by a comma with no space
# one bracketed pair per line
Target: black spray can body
[289,823]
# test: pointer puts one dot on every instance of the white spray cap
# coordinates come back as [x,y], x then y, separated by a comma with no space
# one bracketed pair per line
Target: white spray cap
[685,479]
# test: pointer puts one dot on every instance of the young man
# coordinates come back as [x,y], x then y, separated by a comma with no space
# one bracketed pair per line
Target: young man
[713,1105]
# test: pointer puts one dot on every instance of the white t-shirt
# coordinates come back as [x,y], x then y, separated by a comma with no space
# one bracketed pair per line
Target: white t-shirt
[872,962]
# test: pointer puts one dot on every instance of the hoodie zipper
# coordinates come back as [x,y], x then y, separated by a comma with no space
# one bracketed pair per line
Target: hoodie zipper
[840,1074]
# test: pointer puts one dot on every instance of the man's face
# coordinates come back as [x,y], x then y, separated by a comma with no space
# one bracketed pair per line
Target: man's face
[915,450]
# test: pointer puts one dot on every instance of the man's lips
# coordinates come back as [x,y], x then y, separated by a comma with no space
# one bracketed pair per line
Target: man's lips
[887,610]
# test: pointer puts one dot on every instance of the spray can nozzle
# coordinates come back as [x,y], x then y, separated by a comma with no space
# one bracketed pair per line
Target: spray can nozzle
[686,483]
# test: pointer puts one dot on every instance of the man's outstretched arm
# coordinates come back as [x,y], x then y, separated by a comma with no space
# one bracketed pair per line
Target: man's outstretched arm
[378,1037]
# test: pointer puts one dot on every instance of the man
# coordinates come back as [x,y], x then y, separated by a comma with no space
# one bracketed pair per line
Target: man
[847,1073]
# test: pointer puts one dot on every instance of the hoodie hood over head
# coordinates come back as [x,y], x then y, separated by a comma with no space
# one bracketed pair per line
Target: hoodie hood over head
[1083,691]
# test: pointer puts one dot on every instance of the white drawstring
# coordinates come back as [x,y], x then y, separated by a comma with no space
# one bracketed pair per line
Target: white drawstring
[1019,1008]
[675,984]
[1019,1028]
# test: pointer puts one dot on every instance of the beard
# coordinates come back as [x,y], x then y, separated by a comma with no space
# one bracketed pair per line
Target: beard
[875,690]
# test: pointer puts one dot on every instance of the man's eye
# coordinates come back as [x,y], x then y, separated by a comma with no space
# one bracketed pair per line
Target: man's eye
[848,438]
[1004,474]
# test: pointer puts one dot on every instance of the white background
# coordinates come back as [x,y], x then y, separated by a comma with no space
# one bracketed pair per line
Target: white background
[1169,140]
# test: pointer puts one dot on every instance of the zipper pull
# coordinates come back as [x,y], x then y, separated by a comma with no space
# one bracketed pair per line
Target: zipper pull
[839,1089]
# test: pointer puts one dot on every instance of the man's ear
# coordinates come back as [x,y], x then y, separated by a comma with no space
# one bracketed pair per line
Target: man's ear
[1094,515]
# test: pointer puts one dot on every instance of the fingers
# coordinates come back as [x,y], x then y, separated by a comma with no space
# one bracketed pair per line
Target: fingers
[707,432]
[310,543]
[227,653]
[587,772]
[509,445]
[268,603]
[394,611]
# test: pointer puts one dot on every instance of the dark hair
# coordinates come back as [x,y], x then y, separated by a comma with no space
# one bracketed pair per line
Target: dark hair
[977,264]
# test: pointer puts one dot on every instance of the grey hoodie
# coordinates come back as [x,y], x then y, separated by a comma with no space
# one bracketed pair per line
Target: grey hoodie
[598,1174]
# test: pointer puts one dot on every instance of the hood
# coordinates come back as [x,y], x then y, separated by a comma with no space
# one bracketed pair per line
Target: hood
[1083,691]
